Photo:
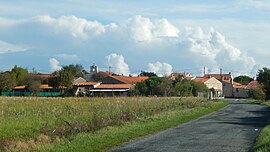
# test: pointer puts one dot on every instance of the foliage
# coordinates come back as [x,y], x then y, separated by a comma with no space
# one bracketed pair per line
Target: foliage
[257,94]
[18,74]
[74,70]
[243,79]
[159,86]
[66,75]
[33,82]
[6,82]
[263,77]
[148,74]
[57,121]
[183,88]
[166,87]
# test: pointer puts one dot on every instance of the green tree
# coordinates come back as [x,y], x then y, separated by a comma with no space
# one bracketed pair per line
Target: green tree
[18,74]
[183,88]
[33,82]
[257,94]
[160,86]
[198,87]
[6,82]
[263,77]
[148,74]
[243,79]
[75,70]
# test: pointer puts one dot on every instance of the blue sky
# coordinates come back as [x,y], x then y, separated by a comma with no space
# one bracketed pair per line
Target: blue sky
[130,36]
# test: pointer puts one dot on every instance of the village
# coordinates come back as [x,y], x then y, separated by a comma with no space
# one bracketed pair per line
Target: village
[99,83]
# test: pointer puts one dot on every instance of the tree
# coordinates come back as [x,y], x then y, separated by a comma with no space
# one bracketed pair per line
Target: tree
[18,74]
[243,79]
[33,82]
[148,74]
[66,75]
[154,86]
[198,87]
[263,77]
[6,82]
[257,94]
[183,88]
[74,70]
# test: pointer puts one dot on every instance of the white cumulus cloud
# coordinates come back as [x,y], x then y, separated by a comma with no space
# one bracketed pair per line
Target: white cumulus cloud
[54,64]
[75,26]
[117,62]
[161,69]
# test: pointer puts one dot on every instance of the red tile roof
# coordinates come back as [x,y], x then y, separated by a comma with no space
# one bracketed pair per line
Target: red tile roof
[19,87]
[114,86]
[129,80]
[253,85]
[218,76]
[45,86]
[44,75]
[201,79]
[85,83]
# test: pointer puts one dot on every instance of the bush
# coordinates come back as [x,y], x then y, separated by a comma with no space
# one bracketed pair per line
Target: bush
[257,94]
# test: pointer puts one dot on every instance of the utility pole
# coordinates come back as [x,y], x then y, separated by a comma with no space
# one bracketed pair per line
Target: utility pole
[204,71]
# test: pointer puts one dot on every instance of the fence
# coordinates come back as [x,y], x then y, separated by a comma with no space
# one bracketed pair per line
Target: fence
[41,94]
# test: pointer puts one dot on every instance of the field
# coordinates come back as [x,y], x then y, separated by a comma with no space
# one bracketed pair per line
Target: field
[90,124]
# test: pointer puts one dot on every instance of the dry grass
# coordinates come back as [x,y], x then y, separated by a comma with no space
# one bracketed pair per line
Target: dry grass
[30,121]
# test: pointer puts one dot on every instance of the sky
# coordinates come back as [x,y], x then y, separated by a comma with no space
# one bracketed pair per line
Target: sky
[133,36]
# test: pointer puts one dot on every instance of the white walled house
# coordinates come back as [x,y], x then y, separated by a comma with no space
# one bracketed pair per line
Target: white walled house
[214,85]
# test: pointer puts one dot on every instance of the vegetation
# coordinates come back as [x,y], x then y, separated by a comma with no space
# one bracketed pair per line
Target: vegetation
[68,124]
[263,77]
[263,141]
[243,79]
[65,76]
[165,87]
[257,94]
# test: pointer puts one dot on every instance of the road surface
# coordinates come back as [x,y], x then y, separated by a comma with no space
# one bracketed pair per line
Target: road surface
[232,129]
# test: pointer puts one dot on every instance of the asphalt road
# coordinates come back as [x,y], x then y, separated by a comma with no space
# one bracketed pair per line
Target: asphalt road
[232,129]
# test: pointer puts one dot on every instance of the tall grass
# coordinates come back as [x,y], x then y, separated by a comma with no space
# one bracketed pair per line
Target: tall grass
[32,121]
[263,141]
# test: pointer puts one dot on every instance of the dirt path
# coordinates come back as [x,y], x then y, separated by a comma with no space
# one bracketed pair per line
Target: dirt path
[232,129]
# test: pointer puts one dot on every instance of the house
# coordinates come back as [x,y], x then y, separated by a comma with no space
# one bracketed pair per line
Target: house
[253,85]
[111,90]
[82,88]
[239,90]
[214,85]
[227,83]
[176,75]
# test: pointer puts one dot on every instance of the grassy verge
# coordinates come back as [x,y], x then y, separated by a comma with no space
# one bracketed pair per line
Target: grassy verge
[90,124]
[263,141]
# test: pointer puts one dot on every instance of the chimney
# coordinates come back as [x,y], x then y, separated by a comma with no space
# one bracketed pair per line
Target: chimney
[221,78]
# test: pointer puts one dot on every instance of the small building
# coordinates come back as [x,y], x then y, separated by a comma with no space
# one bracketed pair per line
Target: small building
[214,85]
[82,88]
[177,75]
[239,90]
[227,83]
[110,90]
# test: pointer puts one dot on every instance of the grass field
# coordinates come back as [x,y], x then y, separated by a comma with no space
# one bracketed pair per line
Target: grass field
[90,124]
